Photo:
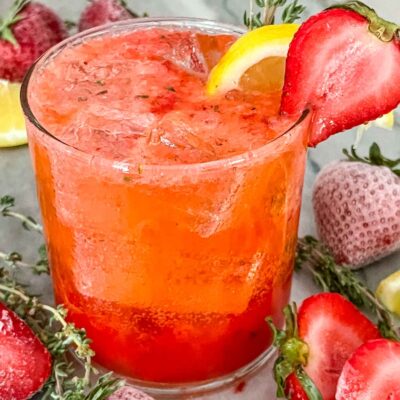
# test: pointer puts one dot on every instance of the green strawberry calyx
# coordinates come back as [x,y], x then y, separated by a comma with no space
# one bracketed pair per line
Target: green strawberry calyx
[10,19]
[375,157]
[293,355]
[382,29]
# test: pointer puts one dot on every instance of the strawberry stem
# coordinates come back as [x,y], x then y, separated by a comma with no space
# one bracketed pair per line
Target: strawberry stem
[382,29]
[10,19]
[375,158]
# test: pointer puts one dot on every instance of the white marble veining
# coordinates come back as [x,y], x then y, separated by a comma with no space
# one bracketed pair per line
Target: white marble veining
[16,177]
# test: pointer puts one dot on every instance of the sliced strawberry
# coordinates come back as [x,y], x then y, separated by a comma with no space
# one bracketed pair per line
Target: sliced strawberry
[25,364]
[294,389]
[371,373]
[333,328]
[344,67]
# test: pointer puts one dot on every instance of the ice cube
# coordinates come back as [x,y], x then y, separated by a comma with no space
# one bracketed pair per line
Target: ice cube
[181,48]
[177,140]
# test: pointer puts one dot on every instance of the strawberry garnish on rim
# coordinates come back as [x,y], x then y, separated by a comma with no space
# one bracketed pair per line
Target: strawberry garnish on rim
[25,363]
[343,63]
[316,344]
[371,373]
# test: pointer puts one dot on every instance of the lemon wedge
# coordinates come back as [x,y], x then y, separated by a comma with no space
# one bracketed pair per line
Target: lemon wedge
[12,124]
[386,121]
[256,61]
[388,292]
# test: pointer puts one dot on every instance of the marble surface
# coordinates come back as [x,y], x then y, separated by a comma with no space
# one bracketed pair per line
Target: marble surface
[16,177]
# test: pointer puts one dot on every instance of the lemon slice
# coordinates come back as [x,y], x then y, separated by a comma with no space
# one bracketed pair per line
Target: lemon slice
[256,61]
[388,292]
[12,124]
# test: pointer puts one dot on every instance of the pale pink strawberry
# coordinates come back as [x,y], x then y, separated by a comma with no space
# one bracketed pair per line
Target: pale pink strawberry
[100,12]
[129,393]
[357,209]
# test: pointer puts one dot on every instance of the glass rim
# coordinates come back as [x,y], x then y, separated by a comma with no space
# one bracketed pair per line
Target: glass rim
[126,166]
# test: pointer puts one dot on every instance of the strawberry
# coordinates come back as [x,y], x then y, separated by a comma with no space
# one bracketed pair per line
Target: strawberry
[129,393]
[333,328]
[100,12]
[25,34]
[25,364]
[357,207]
[371,373]
[316,344]
[334,65]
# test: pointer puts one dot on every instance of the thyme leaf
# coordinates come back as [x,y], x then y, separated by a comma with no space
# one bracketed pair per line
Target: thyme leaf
[267,10]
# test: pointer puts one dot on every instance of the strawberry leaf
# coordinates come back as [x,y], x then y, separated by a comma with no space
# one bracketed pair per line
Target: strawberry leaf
[11,18]
[375,158]
[308,385]
[382,29]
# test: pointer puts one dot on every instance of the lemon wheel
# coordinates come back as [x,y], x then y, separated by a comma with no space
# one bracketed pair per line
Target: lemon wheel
[12,124]
[256,61]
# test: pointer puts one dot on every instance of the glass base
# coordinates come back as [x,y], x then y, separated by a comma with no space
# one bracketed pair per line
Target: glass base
[235,380]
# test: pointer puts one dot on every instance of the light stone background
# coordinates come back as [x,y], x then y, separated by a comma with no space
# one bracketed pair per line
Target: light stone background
[16,177]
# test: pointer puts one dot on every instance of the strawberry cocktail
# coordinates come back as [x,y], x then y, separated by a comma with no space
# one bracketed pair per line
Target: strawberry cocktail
[170,215]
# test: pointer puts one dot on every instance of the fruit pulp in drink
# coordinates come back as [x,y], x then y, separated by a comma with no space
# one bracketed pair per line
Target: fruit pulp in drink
[170,216]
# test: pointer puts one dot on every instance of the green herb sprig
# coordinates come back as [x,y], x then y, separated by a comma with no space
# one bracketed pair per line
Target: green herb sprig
[332,277]
[51,326]
[267,9]
[6,205]
[14,260]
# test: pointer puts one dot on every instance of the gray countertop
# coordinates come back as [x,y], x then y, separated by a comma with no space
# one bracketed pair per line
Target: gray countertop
[16,176]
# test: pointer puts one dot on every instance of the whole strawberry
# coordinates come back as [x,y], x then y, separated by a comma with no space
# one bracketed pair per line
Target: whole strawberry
[357,207]
[25,34]
[100,12]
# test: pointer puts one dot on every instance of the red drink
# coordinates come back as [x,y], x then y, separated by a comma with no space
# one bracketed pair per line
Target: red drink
[171,217]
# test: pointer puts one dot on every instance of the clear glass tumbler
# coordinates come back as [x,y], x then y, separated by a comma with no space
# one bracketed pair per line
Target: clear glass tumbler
[171,269]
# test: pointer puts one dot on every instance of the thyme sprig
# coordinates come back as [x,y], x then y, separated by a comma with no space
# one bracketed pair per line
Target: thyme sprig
[332,277]
[6,205]
[51,326]
[14,260]
[267,10]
